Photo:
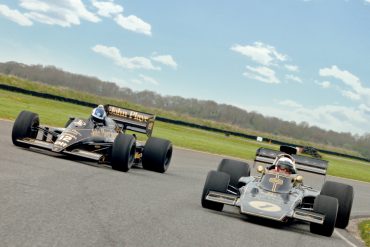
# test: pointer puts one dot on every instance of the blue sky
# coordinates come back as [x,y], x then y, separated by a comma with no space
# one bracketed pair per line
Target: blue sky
[299,60]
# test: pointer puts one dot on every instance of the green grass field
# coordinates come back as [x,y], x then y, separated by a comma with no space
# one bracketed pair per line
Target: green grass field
[56,113]
[364,228]
[69,93]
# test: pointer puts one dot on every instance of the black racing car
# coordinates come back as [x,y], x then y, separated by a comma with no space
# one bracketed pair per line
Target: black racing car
[106,142]
[279,194]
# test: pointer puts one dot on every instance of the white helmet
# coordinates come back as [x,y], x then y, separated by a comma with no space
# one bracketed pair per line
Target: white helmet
[98,114]
[285,163]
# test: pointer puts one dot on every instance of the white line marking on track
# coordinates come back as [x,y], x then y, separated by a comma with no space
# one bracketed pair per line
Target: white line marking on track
[345,239]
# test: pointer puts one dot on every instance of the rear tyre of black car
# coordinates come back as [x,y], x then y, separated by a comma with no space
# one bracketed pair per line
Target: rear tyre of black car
[157,154]
[344,194]
[328,206]
[25,126]
[216,181]
[236,169]
[123,152]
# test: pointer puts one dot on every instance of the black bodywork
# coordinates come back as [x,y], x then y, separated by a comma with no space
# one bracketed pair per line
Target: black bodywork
[92,140]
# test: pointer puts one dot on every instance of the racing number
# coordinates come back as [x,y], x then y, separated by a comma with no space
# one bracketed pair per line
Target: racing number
[66,138]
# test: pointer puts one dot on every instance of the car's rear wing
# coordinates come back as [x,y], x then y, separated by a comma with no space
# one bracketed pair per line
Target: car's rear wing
[303,163]
[131,120]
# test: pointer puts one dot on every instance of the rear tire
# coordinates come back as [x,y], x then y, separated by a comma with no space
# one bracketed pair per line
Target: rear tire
[123,152]
[344,194]
[157,154]
[236,169]
[216,181]
[25,126]
[327,206]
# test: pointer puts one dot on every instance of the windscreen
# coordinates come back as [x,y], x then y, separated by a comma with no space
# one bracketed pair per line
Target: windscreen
[276,182]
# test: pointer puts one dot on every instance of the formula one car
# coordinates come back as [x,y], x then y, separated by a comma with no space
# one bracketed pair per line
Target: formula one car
[104,141]
[278,193]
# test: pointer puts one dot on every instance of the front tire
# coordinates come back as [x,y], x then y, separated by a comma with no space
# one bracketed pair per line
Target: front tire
[236,169]
[216,181]
[328,206]
[123,152]
[157,154]
[25,126]
[344,194]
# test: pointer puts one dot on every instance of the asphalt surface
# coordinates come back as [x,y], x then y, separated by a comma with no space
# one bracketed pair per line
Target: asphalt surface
[51,201]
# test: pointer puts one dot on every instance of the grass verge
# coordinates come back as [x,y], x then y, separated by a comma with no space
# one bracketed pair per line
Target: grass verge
[364,228]
[56,113]
[75,94]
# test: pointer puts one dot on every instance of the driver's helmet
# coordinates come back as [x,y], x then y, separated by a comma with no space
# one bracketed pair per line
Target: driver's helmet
[98,114]
[284,165]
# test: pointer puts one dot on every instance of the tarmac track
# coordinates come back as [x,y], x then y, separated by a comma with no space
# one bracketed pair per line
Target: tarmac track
[52,201]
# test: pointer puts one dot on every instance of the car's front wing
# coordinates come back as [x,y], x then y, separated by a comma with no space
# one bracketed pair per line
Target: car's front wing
[234,200]
[75,152]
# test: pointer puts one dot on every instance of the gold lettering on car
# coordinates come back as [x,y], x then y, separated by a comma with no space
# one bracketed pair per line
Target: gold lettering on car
[137,116]
[103,133]
[61,144]
[275,181]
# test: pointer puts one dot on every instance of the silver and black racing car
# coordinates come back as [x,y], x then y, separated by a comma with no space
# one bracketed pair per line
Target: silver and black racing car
[278,192]
[102,138]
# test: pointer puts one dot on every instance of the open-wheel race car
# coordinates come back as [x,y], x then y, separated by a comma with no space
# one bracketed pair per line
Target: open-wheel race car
[102,138]
[278,193]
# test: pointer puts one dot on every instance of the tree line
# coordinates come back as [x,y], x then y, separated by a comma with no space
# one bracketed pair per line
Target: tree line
[204,109]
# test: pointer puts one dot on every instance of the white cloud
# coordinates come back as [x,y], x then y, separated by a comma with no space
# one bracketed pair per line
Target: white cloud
[324,84]
[260,53]
[292,68]
[134,23]
[293,78]
[367,1]
[107,9]
[329,117]
[357,92]
[67,13]
[290,103]
[54,12]
[351,95]
[125,62]
[364,108]
[148,79]
[263,74]
[166,60]
[15,15]
[343,75]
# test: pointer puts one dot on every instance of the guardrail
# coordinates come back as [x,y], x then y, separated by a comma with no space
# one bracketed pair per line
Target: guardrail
[167,120]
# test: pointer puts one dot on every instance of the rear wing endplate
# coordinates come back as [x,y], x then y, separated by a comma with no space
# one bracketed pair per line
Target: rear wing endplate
[303,163]
[131,120]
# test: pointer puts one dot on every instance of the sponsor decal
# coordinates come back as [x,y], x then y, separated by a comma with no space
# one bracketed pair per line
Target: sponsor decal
[137,116]
[265,206]
[60,144]
[103,133]
[276,181]
[79,123]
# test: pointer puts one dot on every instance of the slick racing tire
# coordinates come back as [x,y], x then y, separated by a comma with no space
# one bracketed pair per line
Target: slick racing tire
[123,152]
[236,169]
[328,206]
[216,181]
[25,126]
[157,154]
[344,194]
